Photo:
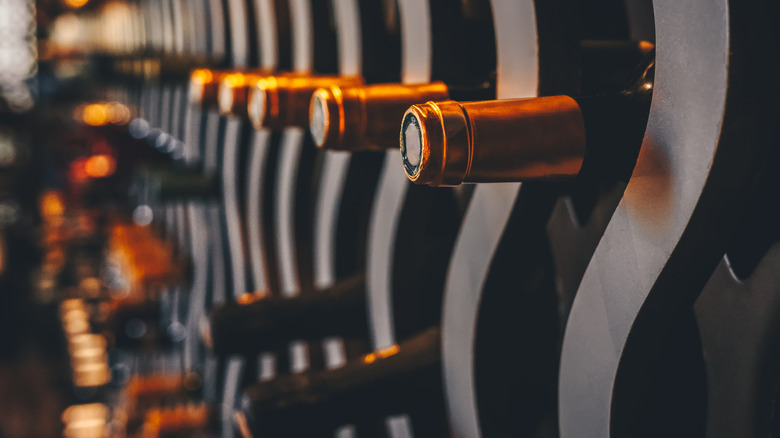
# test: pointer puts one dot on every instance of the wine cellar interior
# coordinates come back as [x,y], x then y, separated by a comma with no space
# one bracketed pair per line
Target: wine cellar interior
[389,218]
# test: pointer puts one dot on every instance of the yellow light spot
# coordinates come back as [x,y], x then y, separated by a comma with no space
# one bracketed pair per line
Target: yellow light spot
[201,76]
[234,80]
[388,351]
[381,354]
[265,83]
[75,3]
[118,113]
[52,205]
[249,298]
[95,114]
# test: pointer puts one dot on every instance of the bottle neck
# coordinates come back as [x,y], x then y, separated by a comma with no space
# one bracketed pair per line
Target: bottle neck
[615,124]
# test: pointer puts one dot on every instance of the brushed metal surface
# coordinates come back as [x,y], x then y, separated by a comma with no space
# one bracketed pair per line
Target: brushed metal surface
[680,144]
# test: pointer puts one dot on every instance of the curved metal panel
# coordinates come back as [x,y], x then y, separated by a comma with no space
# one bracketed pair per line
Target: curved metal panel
[674,164]
[266,23]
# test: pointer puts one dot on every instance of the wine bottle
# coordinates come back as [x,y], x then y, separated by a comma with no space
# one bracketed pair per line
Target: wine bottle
[173,69]
[398,379]
[204,84]
[203,87]
[272,322]
[546,138]
[282,101]
[365,117]
[233,91]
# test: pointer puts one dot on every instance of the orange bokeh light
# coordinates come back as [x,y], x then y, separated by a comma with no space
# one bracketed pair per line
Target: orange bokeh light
[234,80]
[77,171]
[381,354]
[201,76]
[100,166]
[51,204]
[95,114]
[118,113]
[103,113]
[75,3]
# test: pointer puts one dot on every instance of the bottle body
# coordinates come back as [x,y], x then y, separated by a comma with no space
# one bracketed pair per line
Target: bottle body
[273,322]
[390,381]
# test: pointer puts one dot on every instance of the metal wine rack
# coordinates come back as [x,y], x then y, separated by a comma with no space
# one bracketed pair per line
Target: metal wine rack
[646,307]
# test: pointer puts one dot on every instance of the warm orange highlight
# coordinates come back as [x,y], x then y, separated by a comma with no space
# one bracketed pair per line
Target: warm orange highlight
[52,205]
[381,354]
[388,351]
[95,114]
[201,76]
[100,166]
[234,80]
[118,113]
[250,297]
[75,4]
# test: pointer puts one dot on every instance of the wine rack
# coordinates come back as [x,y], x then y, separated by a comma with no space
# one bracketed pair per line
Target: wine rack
[284,289]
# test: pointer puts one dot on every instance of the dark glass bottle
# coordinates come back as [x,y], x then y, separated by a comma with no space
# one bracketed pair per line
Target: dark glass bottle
[366,117]
[255,324]
[398,379]
[545,138]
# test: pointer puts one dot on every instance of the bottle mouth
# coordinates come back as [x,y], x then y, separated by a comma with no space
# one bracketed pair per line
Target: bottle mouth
[435,143]
[412,144]
[319,117]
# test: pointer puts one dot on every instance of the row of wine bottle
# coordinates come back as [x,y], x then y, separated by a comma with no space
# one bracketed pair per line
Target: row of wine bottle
[442,141]
[444,280]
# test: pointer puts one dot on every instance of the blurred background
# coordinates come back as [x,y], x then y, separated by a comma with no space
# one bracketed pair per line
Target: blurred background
[62,199]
